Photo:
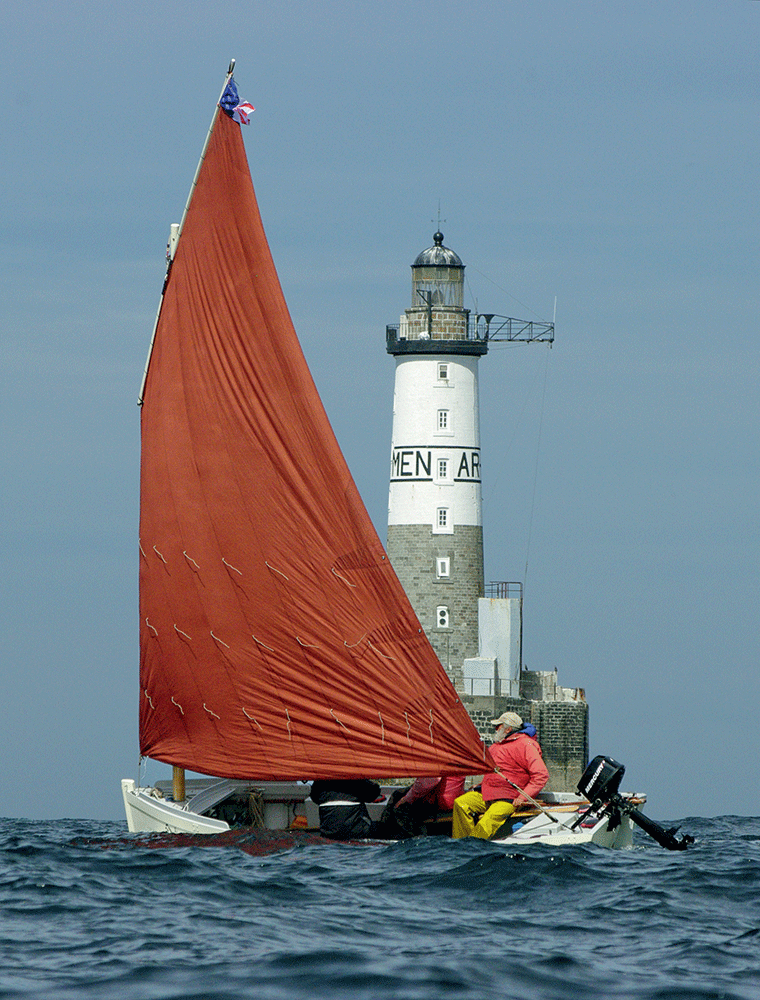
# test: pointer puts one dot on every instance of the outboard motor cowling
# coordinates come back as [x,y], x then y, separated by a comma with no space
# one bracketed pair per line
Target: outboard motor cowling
[601,779]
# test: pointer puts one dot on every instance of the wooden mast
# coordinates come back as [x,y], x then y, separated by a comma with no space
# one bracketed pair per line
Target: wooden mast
[178,783]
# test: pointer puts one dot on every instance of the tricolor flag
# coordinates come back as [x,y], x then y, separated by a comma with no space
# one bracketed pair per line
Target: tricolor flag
[230,103]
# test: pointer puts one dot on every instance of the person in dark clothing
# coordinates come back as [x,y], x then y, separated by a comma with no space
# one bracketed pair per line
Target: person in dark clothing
[343,812]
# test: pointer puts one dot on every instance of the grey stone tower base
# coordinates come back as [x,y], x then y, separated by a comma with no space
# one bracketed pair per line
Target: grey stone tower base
[414,551]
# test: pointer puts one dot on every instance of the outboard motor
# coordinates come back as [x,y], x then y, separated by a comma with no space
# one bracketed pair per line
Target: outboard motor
[600,784]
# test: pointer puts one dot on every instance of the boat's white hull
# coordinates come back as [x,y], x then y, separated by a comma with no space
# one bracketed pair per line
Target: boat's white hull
[555,830]
[148,814]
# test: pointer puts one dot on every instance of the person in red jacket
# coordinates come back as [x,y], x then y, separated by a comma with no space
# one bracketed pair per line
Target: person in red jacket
[481,813]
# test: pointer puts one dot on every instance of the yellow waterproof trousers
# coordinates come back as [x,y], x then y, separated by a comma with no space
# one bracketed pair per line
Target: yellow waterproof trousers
[474,817]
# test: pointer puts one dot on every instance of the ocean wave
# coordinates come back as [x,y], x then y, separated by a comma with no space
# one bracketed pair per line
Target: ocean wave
[91,913]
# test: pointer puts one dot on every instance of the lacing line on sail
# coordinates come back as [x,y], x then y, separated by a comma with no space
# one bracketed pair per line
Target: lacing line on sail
[153,630]
[275,570]
[431,726]
[182,633]
[260,643]
[252,718]
[382,727]
[353,645]
[190,559]
[229,566]
[217,639]
[347,582]
[150,700]
[378,651]
[139,545]
[306,645]
[178,705]
[290,734]
[210,712]
[408,728]
[160,556]
[338,721]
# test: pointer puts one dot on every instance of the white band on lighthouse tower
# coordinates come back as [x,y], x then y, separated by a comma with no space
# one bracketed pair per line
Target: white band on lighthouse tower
[435,449]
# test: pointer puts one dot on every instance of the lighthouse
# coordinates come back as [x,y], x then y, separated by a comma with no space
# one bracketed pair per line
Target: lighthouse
[435,526]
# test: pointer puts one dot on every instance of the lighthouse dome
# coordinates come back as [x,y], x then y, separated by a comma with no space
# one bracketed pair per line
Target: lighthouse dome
[438,255]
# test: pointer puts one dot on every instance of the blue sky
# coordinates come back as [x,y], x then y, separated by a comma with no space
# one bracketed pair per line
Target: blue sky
[603,153]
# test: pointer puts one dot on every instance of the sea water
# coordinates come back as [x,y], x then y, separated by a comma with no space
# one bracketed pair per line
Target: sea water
[89,911]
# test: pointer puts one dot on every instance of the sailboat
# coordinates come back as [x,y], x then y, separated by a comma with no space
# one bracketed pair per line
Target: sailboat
[276,642]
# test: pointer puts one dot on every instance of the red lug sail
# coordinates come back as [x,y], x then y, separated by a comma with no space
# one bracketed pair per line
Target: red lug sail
[276,641]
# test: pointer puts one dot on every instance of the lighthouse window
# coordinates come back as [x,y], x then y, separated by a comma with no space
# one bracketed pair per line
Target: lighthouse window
[443,468]
[443,523]
[443,420]
[442,617]
[442,564]
[443,373]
